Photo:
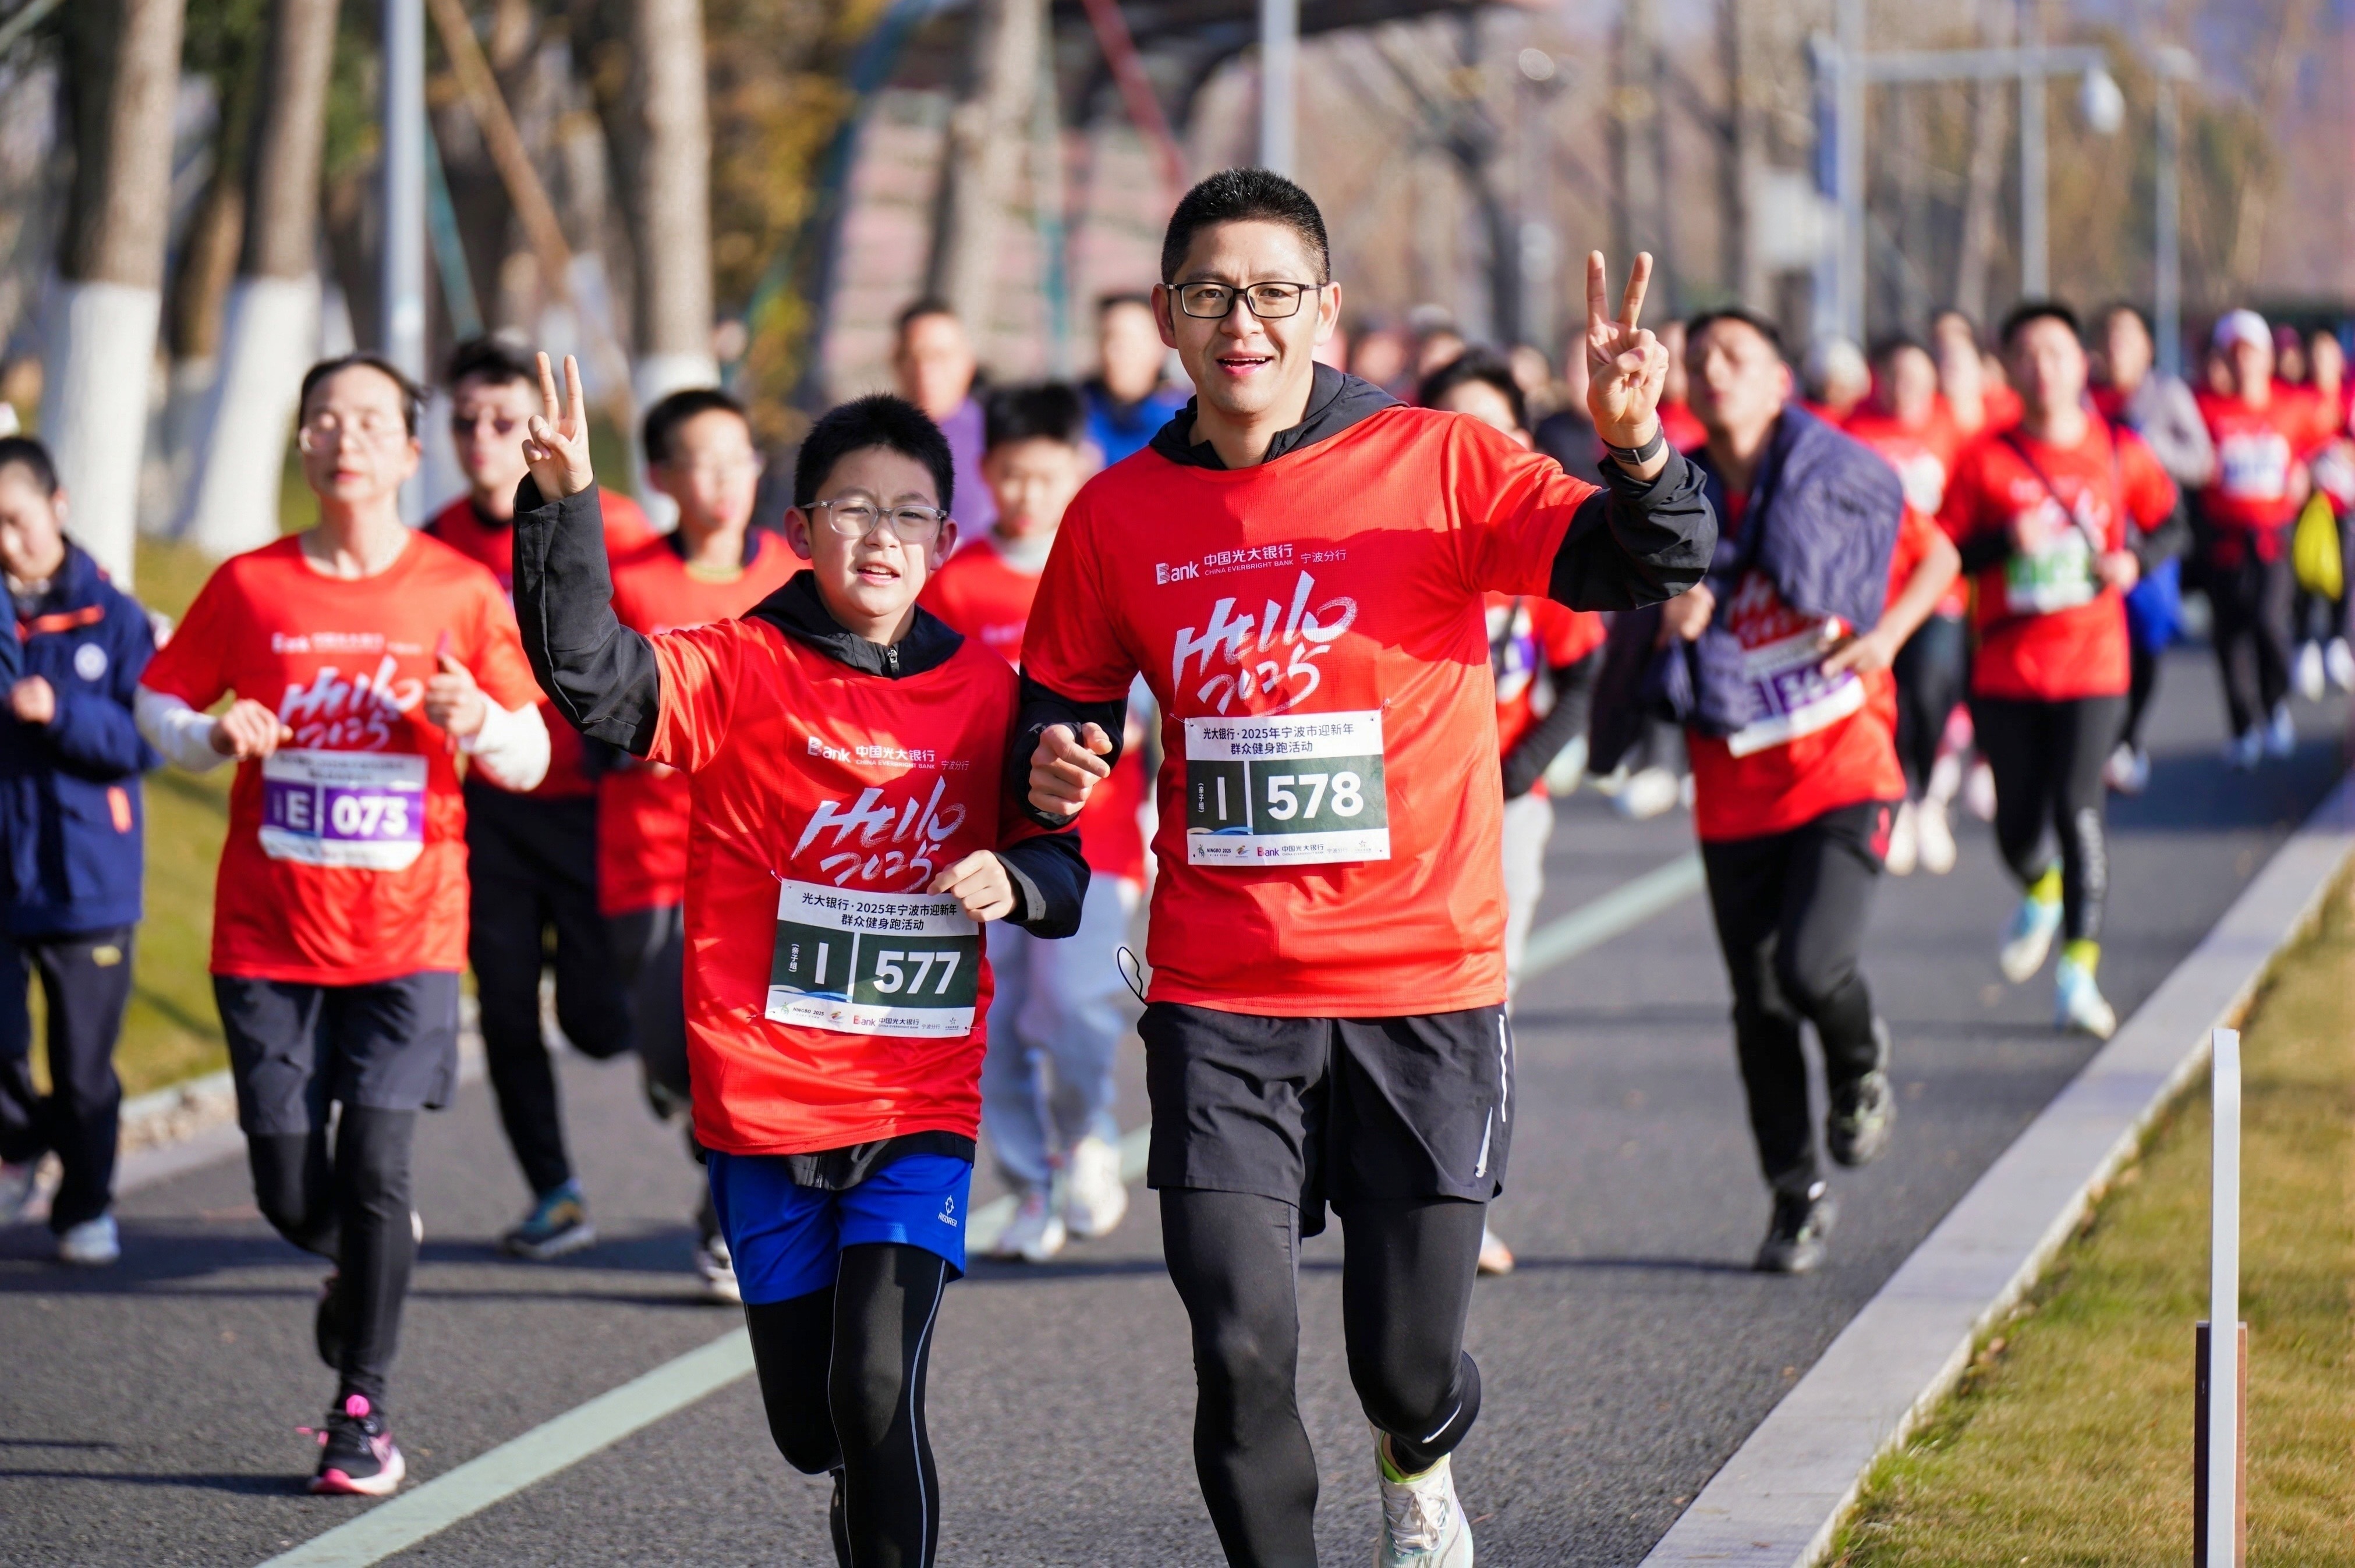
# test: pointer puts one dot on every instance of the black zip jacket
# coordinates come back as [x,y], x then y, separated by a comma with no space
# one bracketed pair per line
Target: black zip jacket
[602,678]
[1634,543]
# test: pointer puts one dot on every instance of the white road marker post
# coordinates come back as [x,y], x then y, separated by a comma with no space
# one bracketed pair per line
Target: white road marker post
[2221,1514]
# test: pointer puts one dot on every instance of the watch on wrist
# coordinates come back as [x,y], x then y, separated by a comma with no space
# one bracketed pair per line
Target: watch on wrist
[1637,457]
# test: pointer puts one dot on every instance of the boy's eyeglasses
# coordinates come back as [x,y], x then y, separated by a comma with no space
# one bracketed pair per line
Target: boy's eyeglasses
[1268,301]
[855,517]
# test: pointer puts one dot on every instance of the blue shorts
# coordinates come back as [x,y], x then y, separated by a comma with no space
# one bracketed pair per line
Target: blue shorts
[784,1238]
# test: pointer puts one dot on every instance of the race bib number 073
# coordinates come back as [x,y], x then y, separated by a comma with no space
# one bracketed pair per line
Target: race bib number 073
[1290,790]
[359,810]
[873,963]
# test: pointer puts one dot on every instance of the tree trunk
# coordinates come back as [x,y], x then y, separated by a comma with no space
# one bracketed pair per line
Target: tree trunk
[1745,154]
[985,158]
[1982,188]
[1640,126]
[123,70]
[672,209]
[193,313]
[273,322]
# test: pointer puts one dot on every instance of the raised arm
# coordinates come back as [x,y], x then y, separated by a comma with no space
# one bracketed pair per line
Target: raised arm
[599,674]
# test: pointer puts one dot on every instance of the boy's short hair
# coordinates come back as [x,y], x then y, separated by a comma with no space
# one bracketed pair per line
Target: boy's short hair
[1485,365]
[24,452]
[412,395]
[499,361]
[2028,312]
[1049,411]
[663,420]
[1762,324]
[879,420]
[1243,196]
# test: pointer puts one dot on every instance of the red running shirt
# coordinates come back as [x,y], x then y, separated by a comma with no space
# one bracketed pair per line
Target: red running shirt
[346,862]
[830,1001]
[979,593]
[642,806]
[1922,458]
[1526,636]
[1834,745]
[461,527]
[1313,628]
[2047,630]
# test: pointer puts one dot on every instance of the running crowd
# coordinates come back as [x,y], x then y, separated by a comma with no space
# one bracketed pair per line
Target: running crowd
[838,824]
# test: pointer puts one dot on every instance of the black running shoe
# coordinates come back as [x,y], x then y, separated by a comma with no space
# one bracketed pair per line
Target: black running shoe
[1795,1238]
[1856,1129]
[356,1453]
[331,1324]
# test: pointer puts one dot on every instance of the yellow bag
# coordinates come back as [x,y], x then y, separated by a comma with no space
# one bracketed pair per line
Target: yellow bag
[2314,550]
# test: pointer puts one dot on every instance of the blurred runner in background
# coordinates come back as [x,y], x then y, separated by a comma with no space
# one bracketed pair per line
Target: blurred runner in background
[1128,399]
[932,357]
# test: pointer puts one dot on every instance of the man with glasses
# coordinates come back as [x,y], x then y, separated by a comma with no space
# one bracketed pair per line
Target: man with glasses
[531,860]
[1296,565]
[715,566]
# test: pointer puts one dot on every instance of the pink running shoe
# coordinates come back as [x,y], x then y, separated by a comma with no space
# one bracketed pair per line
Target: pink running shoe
[356,1453]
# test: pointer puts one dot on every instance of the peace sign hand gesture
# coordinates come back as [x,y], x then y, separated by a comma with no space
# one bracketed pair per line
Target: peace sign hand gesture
[557,448]
[1625,364]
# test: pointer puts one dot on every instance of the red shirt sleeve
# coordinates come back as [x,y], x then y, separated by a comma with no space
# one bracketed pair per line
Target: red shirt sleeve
[1959,513]
[1512,507]
[1071,646]
[2150,492]
[494,651]
[698,669]
[189,666]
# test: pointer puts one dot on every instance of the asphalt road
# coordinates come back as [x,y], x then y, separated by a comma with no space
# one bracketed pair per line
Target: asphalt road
[147,1414]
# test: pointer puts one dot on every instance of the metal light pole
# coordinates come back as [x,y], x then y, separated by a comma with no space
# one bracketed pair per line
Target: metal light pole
[404,201]
[1848,170]
[1279,84]
[2175,65]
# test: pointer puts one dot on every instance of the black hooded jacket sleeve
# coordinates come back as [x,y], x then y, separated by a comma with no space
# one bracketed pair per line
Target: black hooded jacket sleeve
[1636,542]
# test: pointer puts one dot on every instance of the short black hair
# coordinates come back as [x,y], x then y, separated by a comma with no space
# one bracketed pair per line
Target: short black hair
[878,420]
[1885,349]
[1763,326]
[1485,365]
[24,452]
[1110,302]
[2029,311]
[501,361]
[930,305]
[2130,308]
[1050,411]
[412,395]
[663,420]
[1244,195]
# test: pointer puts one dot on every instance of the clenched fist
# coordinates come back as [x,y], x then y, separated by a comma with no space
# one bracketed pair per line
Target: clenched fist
[1065,768]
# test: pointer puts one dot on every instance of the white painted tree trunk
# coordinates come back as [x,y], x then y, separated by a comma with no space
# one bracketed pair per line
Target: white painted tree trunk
[654,377]
[266,344]
[94,409]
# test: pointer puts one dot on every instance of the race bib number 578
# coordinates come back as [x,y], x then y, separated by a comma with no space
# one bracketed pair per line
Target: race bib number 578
[873,963]
[1292,790]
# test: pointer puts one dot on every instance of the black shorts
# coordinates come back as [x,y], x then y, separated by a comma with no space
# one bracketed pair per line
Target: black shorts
[1319,1111]
[293,1048]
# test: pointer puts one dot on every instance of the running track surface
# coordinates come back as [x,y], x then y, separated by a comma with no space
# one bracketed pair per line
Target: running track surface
[147,1416]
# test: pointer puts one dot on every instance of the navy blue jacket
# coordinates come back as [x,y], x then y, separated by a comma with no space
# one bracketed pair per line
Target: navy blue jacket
[69,806]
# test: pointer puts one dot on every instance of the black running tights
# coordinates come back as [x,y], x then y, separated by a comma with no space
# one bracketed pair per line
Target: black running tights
[1930,672]
[2047,759]
[1406,1285]
[351,1204]
[842,1375]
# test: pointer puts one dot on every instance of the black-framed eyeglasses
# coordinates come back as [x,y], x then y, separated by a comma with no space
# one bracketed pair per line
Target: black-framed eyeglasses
[1268,301]
[855,517]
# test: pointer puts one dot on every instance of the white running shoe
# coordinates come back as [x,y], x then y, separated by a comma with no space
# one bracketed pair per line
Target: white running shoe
[1904,847]
[717,1269]
[2030,938]
[1647,794]
[16,1184]
[1495,1257]
[1934,837]
[1035,1232]
[2281,733]
[1095,1200]
[2128,769]
[2245,750]
[2077,1002]
[1563,774]
[2310,674]
[1422,1523]
[93,1243]
[2340,661]
[1979,791]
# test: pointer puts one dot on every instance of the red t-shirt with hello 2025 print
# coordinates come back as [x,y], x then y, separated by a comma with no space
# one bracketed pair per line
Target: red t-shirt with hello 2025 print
[346,862]
[1528,637]
[1313,628]
[461,527]
[2047,630]
[2257,448]
[830,999]
[642,806]
[1834,745]
[979,593]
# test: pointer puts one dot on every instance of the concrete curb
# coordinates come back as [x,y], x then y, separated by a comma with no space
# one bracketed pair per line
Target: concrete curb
[1781,1497]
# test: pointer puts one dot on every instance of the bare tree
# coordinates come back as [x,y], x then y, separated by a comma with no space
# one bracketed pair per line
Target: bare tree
[271,325]
[986,145]
[671,203]
[1983,183]
[123,72]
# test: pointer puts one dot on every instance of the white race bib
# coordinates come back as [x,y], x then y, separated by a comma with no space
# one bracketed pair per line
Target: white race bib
[1794,697]
[1290,789]
[873,963]
[359,810]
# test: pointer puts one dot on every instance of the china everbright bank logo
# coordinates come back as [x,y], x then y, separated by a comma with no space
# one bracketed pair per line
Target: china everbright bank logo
[1218,563]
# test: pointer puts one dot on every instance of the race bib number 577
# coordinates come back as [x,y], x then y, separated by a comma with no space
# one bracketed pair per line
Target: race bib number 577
[1292,790]
[873,963]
